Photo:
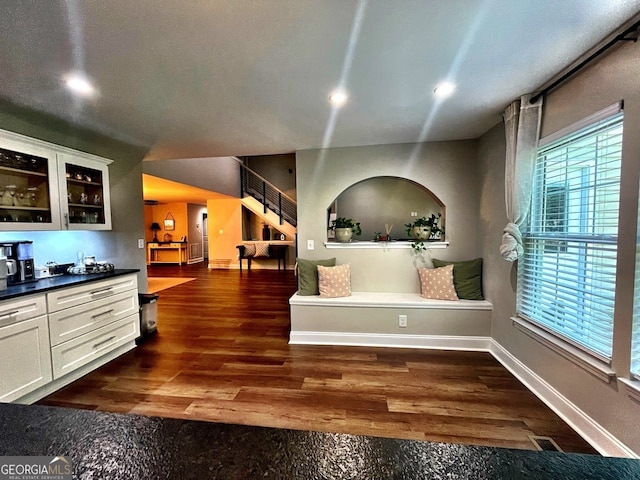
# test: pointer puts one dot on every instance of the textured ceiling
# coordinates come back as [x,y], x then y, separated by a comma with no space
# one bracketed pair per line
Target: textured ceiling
[206,78]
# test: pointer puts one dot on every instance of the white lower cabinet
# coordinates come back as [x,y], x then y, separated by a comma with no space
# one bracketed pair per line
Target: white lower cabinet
[90,320]
[75,353]
[49,340]
[72,322]
[25,359]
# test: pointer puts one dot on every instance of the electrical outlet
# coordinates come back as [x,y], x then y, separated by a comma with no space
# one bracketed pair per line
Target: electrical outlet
[402,321]
[310,245]
[141,243]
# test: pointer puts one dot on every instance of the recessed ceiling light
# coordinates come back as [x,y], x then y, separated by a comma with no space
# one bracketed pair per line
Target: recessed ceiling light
[79,85]
[444,90]
[338,98]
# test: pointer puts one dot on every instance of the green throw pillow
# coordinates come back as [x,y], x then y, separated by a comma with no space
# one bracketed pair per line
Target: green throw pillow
[467,278]
[308,275]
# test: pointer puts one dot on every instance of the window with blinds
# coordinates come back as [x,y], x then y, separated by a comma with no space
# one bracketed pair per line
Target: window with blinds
[567,276]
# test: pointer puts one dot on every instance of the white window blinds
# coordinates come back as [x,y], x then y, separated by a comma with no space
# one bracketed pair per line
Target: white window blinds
[567,277]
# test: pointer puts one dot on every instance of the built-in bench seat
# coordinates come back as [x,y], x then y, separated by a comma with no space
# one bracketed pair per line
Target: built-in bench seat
[372,319]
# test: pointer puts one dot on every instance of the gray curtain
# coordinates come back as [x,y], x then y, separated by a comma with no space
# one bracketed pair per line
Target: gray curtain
[522,130]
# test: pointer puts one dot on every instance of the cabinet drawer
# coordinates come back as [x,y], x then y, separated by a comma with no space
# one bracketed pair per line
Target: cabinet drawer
[81,350]
[72,322]
[25,360]
[70,297]
[16,310]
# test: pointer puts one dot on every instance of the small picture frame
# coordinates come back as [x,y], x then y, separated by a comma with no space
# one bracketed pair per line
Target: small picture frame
[169,224]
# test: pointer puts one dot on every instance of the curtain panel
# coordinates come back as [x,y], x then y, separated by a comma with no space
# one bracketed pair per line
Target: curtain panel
[522,130]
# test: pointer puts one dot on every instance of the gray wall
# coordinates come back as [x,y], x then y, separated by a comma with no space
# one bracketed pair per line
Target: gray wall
[386,200]
[614,78]
[118,246]
[448,169]
[280,170]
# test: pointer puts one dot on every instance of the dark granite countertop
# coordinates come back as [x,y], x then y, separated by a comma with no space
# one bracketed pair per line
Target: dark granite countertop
[60,281]
[115,446]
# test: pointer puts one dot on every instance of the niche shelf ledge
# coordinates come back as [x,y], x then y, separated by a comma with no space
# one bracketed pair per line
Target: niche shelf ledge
[383,245]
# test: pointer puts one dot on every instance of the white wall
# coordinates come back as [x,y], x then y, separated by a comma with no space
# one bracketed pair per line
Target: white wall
[448,169]
[614,78]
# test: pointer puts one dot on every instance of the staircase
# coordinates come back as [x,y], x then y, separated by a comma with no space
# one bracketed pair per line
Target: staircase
[267,201]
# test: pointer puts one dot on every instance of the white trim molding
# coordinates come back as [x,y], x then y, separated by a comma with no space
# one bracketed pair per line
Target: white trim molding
[632,386]
[392,245]
[575,355]
[603,441]
[439,342]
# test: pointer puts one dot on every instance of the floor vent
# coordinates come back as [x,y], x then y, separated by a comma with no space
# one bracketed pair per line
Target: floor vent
[544,444]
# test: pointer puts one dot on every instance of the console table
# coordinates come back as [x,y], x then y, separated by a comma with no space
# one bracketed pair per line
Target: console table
[167,252]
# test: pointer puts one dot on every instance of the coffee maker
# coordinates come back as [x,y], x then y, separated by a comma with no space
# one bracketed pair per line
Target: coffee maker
[20,252]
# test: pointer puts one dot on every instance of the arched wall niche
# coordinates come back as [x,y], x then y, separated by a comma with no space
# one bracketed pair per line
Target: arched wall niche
[377,201]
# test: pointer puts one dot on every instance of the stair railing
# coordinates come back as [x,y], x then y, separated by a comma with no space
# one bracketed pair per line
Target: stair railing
[271,197]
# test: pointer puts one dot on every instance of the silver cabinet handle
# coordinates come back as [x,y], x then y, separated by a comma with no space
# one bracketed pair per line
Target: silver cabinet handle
[102,291]
[104,341]
[9,314]
[66,220]
[101,314]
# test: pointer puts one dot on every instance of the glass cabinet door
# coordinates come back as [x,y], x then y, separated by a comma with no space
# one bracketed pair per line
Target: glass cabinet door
[28,193]
[84,186]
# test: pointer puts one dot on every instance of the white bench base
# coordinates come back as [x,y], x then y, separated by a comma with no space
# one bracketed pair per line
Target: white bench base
[371,319]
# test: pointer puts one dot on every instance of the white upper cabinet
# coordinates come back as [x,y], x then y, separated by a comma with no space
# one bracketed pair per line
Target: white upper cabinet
[84,193]
[28,185]
[48,187]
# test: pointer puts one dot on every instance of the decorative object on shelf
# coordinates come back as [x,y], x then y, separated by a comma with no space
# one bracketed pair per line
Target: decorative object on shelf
[155,228]
[377,236]
[423,229]
[168,237]
[169,222]
[9,193]
[266,233]
[344,229]
[387,229]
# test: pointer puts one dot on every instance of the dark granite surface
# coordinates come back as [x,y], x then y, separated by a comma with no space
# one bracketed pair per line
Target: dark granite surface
[61,281]
[114,446]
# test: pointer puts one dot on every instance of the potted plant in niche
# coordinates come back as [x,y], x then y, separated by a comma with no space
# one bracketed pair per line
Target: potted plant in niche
[423,229]
[344,229]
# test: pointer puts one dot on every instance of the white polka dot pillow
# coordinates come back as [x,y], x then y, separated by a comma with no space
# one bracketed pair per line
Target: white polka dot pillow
[334,281]
[249,249]
[437,283]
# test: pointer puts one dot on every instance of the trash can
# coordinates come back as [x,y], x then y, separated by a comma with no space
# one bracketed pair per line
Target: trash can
[148,313]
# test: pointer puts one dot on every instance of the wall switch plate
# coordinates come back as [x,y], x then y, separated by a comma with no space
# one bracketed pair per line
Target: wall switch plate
[414,214]
[310,245]
[402,321]
[141,243]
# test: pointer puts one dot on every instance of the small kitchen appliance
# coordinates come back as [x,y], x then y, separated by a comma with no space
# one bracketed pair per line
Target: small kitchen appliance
[20,252]
[7,267]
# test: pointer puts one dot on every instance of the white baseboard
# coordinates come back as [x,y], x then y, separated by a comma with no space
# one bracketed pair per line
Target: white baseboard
[603,441]
[382,340]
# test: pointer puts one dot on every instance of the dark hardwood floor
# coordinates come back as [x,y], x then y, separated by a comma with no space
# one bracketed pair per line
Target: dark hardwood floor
[222,354]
